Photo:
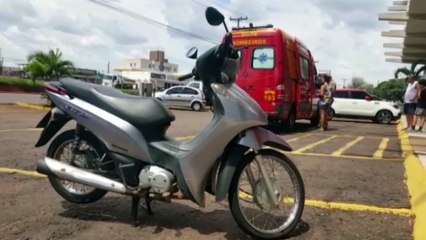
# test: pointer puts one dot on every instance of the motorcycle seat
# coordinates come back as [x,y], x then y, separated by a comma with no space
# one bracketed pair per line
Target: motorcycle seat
[138,111]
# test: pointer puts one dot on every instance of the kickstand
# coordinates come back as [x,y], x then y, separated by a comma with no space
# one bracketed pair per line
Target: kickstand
[135,205]
[147,205]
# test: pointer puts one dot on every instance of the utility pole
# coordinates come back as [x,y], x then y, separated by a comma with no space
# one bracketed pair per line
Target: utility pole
[1,63]
[238,19]
[108,67]
[344,83]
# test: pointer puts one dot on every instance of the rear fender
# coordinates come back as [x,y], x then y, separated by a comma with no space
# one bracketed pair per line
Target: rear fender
[253,138]
[52,122]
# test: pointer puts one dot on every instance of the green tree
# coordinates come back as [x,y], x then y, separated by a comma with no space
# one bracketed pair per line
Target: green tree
[391,90]
[358,83]
[48,66]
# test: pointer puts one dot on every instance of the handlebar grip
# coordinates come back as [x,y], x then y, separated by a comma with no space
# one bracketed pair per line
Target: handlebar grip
[186,76]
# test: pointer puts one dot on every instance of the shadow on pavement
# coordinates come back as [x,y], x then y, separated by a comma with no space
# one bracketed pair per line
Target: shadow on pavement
[175,216]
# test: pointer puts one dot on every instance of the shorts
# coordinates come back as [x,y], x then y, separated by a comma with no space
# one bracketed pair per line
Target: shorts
[324,105]
[421,112]
[410,108]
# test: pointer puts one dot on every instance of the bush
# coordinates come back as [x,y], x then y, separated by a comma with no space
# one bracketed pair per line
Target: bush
[21,84]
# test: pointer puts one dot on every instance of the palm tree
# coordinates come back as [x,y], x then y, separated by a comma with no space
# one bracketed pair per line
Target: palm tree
[407,72]
[49,66]
[416,71]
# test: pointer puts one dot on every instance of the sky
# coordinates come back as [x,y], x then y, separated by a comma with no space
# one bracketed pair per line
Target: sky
[343,36]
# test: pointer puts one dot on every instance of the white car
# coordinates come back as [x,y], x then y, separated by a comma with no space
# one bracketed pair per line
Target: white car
[360,104]
[182,96]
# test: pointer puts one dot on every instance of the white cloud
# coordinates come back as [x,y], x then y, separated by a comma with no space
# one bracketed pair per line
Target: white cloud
[344,36]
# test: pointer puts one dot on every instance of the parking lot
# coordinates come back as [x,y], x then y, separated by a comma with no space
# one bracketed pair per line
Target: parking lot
[353,175]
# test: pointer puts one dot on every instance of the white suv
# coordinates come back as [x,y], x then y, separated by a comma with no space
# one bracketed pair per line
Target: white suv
[360,104]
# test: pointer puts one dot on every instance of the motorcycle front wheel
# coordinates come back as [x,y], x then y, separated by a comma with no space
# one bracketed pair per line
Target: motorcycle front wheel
[250,203]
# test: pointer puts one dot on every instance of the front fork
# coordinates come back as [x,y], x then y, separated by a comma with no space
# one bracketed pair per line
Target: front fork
[269,188]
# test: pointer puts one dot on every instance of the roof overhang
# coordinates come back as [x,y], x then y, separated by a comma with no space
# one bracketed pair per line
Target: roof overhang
[412,15]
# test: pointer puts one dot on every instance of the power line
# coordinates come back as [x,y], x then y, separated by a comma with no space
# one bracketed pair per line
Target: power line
[137,16]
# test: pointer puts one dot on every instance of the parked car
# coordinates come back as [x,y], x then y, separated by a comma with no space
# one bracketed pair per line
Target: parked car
[360,104]
[182,96]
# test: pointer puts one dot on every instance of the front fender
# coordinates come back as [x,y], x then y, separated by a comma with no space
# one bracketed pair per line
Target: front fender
[257,137]
[253,138]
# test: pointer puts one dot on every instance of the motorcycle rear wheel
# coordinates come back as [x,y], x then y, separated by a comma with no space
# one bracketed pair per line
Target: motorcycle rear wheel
[250,205]
[89,148]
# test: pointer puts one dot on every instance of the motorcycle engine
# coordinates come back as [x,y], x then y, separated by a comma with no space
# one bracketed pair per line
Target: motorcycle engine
[159,180]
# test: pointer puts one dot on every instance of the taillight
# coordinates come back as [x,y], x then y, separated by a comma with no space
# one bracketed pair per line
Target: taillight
[56,89]
[280,92]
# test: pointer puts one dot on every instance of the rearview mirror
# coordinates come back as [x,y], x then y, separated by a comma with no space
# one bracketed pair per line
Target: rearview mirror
[368,98]
[214,17]
[192,53]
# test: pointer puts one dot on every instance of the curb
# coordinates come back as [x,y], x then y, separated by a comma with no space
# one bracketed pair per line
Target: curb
[32,106]
[415,176]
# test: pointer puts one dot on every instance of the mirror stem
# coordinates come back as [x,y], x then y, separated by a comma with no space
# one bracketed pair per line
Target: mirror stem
[226,28]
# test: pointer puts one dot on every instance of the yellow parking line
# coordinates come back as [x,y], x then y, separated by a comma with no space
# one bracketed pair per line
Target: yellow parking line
[381,149]
[22,172]
[184,138]
[343,206]
[416,182]
[312,203]
[21,130]
[298,138]
[314,144]
[340,151]
[350,157]
[346,135]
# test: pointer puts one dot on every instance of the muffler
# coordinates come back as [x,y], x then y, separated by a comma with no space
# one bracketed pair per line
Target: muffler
[52,167]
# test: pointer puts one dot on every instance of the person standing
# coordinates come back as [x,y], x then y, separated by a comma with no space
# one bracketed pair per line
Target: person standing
[410,101]
[324,103]
[420,112]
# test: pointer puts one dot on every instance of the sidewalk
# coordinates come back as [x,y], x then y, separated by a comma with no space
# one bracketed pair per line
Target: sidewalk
[417,141]
[12,98]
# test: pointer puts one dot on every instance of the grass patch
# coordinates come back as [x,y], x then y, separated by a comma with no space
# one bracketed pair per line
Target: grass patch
[20,82]
[130,91]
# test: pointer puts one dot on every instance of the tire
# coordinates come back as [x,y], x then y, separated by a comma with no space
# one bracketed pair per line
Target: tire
[67,137]
[235,194]
[196,106]
[315,119]
[383,116]
[290,123]
[331,114]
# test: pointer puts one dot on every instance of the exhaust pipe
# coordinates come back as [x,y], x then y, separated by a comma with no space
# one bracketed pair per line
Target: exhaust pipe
[52,167]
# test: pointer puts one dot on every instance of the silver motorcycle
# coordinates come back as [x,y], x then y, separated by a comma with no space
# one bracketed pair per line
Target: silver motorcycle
[120,145]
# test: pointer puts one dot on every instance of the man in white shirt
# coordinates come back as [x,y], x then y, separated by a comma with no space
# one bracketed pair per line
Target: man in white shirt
[410,101]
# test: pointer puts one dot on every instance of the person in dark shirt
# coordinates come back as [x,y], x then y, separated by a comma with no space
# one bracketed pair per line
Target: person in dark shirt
[420,112]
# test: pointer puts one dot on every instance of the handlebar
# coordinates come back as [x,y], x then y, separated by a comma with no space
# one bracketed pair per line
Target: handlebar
[186,76]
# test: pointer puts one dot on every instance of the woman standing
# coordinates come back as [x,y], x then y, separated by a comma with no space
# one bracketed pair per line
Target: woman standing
[324,102]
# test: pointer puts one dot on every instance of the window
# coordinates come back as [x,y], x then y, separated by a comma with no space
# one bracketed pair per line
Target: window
[195,85]
[358,95]
[291,63]
[240,57]
[341,94]
[263,58]
[189,91]
[304,68]
[177,90]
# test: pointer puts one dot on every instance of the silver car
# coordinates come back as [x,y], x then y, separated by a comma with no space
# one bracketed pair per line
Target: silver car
[182,96]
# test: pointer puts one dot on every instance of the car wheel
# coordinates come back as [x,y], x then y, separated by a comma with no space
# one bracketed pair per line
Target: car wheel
[196,106]
[383,116]
[331,114]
